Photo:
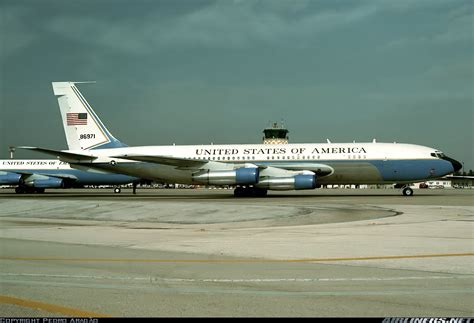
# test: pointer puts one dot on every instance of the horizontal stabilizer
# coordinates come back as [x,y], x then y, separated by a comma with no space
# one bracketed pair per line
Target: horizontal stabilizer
[64,156]
[164,160]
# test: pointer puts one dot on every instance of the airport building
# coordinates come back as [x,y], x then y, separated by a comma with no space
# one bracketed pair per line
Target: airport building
[277,134]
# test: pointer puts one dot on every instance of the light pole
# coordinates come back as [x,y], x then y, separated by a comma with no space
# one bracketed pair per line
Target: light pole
[12,150]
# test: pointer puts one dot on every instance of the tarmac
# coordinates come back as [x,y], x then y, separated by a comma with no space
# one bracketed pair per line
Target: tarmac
[183,253]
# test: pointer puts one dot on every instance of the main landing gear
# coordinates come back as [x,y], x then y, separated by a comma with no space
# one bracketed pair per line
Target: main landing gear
[118,190]
[249,192]
[135,188]
[407,191]
[28,190]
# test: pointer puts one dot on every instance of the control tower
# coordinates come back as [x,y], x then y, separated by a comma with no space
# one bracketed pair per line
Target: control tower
[277,134]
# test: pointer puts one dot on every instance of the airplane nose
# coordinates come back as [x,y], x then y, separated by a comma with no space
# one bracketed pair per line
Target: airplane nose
[456,165]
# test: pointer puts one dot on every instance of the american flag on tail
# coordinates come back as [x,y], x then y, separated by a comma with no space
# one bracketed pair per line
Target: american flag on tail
[76,119]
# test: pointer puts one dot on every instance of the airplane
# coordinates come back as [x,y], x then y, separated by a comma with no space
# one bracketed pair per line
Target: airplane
[34,176]
[252,168]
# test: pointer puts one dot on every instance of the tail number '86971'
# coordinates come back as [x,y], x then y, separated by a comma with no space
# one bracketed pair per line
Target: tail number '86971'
[87,136]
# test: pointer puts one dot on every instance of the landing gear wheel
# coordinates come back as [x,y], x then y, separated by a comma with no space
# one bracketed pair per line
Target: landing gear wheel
[134,188]
[239,192]
[250,192]
[117,190]
[19,190]
[259,192]
[407,191]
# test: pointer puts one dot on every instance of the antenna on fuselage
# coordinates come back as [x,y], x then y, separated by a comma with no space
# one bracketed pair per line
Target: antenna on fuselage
[11,149]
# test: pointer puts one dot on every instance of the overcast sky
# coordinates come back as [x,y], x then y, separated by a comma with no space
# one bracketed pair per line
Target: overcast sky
[201,71]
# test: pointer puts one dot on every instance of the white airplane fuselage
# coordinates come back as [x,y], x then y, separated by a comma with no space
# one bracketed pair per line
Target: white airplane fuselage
[351,163]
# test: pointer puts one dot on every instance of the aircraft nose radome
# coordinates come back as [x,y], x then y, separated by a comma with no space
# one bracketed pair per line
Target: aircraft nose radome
[456,165]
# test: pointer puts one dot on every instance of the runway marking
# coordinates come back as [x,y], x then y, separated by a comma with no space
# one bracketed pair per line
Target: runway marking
[232,290]
[230,261]
[235,280]
[308,280]
[48,307]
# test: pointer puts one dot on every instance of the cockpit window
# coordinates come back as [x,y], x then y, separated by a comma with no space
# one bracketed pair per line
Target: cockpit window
[438,154]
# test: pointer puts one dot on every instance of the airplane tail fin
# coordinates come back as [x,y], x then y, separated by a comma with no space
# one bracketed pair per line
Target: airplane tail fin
[82,126]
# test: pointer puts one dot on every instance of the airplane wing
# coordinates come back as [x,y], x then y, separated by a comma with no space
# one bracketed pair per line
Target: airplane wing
[65,156]
[319,169]
[166,160]
[20,172]
[60,176]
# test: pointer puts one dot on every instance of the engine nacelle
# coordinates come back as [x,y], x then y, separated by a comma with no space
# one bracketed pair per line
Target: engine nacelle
[9,178]
[241,176]
[297,182]
[45,183]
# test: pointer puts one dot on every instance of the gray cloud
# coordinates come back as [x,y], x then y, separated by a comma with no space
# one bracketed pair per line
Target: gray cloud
[222,24]
[15,35]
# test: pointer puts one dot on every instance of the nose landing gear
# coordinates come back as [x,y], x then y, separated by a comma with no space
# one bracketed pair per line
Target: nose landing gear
[407,191]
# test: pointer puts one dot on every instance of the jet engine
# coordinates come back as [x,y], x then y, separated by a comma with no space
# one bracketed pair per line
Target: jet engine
[45,183]
[297,182]
[9,178]
[241,176]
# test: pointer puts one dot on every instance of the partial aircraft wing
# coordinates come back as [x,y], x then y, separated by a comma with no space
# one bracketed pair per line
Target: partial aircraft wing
[65,156]
[319,169]
[60,176]
[165,160]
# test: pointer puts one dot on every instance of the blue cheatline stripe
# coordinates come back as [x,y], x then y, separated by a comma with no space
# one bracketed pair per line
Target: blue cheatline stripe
[389,170]
[113,142]
[407,170]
